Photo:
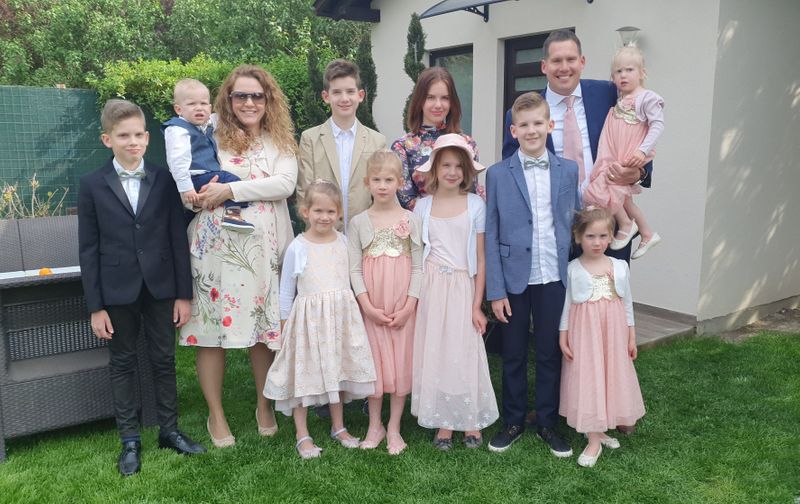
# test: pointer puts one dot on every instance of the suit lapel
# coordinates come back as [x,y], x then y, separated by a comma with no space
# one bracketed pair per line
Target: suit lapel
[112,179]
[555,180]
[358,147]
[515,167]
[595,116]
[329,145]
[144,187]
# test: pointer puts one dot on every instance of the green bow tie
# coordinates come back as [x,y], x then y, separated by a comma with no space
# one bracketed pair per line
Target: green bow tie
[138,174]
[537,163]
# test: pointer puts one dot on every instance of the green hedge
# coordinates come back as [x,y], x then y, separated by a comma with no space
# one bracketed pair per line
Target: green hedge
[149,83]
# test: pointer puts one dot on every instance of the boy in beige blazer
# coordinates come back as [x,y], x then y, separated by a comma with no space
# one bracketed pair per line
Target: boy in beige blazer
[337,150]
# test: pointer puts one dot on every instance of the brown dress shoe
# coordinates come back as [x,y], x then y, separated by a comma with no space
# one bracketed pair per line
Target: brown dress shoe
[530,418]
[626,429]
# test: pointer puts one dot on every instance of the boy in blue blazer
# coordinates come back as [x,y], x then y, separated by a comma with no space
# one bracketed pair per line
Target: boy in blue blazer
[134,259]
[531,200]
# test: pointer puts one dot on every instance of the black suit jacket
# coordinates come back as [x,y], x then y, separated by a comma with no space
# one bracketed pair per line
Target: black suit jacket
[120,250]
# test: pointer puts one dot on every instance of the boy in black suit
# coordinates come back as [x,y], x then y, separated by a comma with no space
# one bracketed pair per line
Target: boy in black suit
[134,260]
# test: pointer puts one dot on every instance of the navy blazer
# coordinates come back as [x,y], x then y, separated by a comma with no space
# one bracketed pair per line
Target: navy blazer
[598,97]
[120,250]
[509,222]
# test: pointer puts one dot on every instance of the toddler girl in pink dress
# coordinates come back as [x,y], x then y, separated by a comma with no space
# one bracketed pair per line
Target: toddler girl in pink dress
[629,136]
[599,387]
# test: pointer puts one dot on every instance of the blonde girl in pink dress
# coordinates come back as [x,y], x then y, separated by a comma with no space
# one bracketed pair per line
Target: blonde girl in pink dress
[325,356]
[451,388]
[629,136]
[385,247]
[599,388]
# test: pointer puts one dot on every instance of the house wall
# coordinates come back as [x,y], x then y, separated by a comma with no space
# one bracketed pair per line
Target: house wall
[751,238]
[679,39]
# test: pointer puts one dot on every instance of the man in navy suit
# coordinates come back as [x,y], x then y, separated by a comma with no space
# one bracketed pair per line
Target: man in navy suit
[134,260]
[531,201]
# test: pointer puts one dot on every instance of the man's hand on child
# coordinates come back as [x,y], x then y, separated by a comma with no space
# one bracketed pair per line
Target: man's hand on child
[191,196]
[501,309]
[181,312]
[101,325]
[623,175]
[636,160]
[479,319]
[564,344]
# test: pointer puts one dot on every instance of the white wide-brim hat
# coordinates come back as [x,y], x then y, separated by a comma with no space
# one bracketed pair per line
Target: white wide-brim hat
[450,140]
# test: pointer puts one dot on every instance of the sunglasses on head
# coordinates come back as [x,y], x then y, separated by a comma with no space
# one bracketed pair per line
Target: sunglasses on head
[241,97]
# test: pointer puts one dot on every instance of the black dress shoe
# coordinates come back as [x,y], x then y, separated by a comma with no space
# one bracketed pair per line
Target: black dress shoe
[130,459]
[558,446]
[180,442]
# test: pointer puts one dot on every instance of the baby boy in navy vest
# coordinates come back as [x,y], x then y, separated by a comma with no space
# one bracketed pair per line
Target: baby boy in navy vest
[192,150]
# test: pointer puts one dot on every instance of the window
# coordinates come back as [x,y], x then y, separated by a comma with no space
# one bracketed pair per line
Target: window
[458,61]
[523,69]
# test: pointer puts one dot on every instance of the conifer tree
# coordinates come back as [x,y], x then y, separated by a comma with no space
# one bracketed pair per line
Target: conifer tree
[413,59]
[369,80]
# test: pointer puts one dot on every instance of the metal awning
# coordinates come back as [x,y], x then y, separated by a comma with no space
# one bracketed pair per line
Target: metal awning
[456,5]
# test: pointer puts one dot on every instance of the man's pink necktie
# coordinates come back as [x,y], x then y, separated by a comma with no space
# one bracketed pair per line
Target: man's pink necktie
[573,145]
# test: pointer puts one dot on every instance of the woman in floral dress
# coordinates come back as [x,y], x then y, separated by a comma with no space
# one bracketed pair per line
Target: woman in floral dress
[235,275]
[434,110]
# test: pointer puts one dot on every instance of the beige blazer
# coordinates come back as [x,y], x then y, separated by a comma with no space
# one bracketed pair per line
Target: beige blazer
[282,170]
[318,159]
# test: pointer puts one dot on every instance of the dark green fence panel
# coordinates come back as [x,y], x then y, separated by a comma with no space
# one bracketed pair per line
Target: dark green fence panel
[55,134]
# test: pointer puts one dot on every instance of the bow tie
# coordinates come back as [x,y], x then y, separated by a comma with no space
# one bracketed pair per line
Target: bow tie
[138,174]
[537,163]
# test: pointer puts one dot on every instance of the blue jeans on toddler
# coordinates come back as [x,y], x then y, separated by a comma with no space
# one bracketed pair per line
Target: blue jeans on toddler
[224,178]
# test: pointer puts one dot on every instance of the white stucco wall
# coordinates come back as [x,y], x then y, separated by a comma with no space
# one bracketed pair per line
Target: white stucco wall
[679,40]
[751,241]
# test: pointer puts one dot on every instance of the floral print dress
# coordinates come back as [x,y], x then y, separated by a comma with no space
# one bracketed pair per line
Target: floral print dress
[414,149]
[235,275]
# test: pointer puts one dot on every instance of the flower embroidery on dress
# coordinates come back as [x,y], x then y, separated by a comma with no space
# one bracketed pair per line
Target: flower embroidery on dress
[402,229]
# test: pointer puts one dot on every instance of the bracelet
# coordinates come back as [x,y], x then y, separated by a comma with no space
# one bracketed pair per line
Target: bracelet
[642,175]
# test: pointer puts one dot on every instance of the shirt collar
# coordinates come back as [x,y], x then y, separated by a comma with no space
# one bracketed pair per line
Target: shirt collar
[119,169]
[337,130]
[554,98]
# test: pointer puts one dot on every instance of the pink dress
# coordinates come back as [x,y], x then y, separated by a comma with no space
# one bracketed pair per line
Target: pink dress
[599,388]
[634,123]
[451,384]
[387,275]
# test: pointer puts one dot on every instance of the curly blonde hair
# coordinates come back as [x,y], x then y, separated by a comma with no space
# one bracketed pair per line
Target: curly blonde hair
[276,123]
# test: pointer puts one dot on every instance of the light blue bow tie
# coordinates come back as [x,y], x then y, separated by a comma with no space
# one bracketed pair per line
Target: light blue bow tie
[138,174]
[537,163]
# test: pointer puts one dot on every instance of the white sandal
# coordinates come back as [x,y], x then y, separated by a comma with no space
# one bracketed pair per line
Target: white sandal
[621,244]
[309,453]
[347,443]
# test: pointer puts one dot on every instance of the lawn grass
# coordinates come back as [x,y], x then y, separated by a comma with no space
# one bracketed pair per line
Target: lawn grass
[721,426]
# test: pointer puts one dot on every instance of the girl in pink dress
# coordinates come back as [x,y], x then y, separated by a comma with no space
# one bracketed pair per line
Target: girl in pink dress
[629,136]
[385,247]
[451,389]
[599,388]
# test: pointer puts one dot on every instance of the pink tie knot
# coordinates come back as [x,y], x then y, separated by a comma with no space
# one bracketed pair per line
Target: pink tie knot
[569,100]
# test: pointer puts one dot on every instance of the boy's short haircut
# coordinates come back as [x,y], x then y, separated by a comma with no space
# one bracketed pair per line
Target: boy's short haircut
[339,68]
[183,85]
[116,110]
[528,101]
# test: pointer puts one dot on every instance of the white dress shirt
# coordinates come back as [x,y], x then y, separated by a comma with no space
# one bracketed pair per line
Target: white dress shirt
[130,185]
[557,110]
[179,155]
[345,143]
[544,251]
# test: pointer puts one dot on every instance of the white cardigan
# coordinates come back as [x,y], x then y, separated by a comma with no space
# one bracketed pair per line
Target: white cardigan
[579,288]
[294,263]
[477,224]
